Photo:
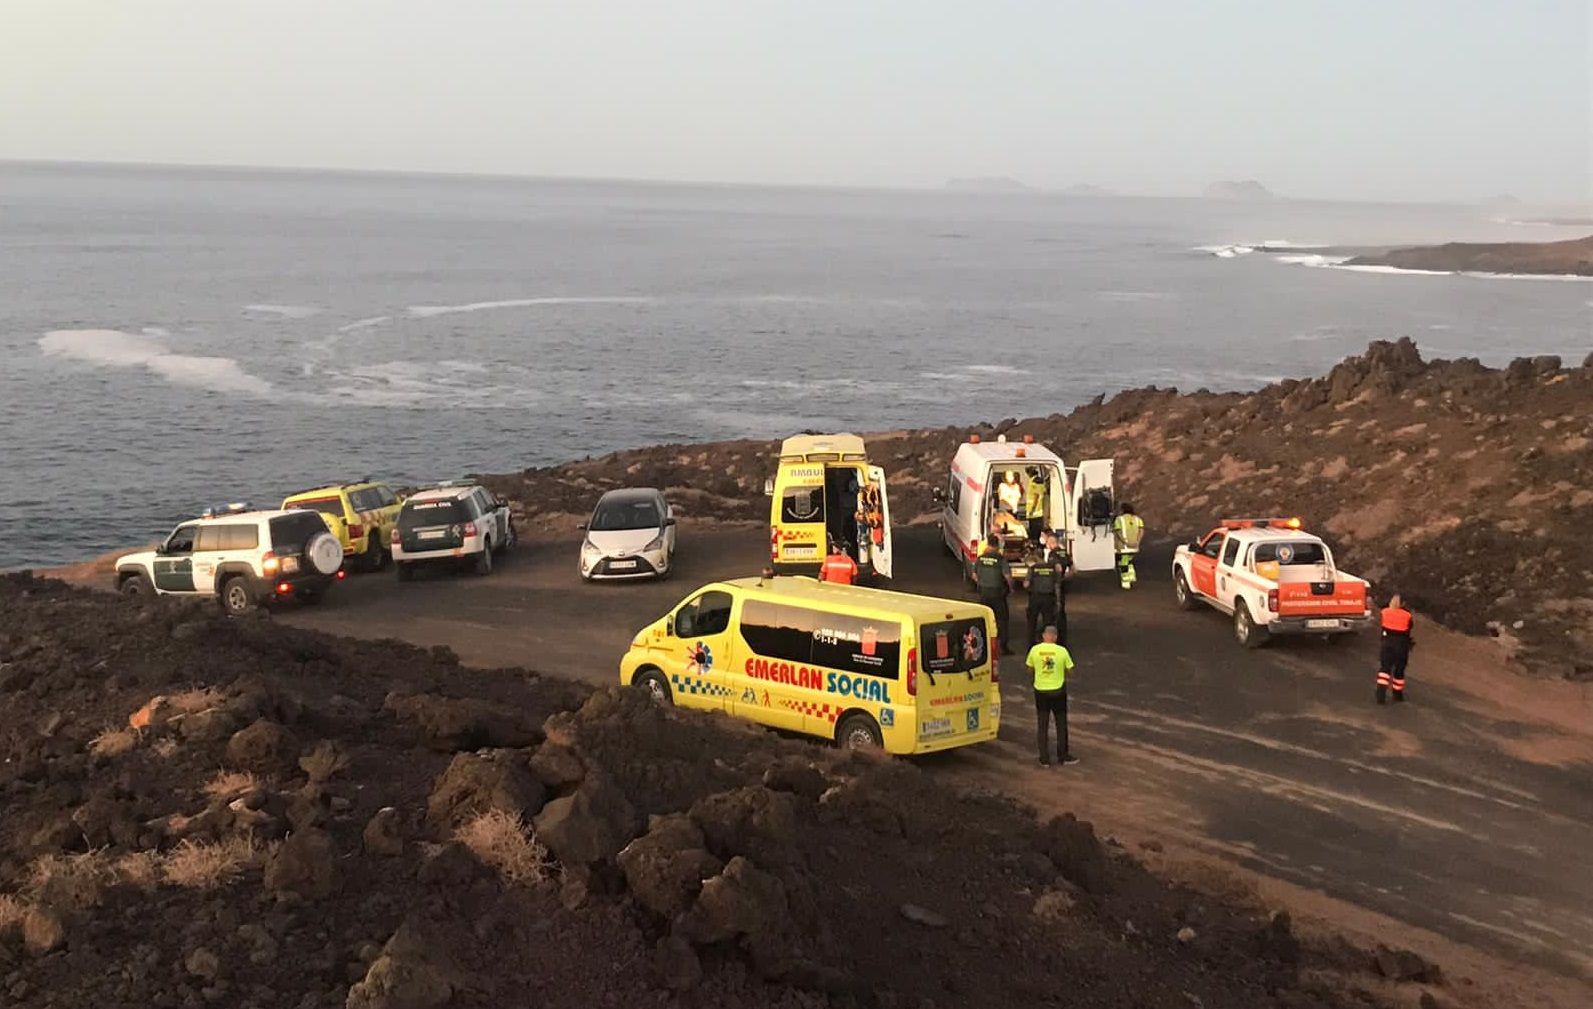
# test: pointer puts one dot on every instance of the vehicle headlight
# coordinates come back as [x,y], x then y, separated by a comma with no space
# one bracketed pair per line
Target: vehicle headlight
[654,545]
[589,551]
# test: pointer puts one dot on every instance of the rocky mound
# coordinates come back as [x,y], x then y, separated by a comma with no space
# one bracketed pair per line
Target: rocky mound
[202,811]
[1570,258]
[1465,487]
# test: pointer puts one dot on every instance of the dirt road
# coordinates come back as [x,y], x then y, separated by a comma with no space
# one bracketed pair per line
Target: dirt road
[1466,814]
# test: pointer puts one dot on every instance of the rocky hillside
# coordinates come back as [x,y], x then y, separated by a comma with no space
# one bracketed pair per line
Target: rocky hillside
[213,812]
[1569,258]
[1468,488]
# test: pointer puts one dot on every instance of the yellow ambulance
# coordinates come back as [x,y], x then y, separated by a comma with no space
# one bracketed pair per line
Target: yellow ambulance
[862,667]
[825,489]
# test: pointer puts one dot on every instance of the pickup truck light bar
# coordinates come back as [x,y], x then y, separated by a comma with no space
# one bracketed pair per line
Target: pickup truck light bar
[1272,523]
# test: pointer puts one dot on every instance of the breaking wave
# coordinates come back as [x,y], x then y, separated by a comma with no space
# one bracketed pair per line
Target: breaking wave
[285,311]
[113,348]
[428,311]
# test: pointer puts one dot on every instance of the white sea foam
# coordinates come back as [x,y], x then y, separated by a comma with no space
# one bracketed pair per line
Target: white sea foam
[116,349]
[1226,251]
[155,331]
[1312,259]
[285,311]
[367,323]
[428,311]
[1136,295]
[995,369]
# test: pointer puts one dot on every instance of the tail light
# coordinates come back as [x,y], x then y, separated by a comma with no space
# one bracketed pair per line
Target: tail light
[283,588]
[470,529]
[341,574]
[270,562]
[1272,600]
[995,660]
[912,672]
[355,531]
[393,536]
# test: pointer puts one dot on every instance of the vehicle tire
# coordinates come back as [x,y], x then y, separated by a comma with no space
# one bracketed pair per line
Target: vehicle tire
[858,731]
[484,559]
[405,570]
[234,595]
[656,686]
[136,586]
[1186,599]
[324,553]
[1245,629]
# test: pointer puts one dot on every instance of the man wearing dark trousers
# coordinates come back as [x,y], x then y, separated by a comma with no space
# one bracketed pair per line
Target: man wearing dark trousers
[1050,663]
[993,575]
[1045,585]
[1395,648]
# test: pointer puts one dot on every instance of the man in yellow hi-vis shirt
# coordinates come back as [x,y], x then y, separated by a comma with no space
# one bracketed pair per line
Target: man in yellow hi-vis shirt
[1050,663]
[1128,529]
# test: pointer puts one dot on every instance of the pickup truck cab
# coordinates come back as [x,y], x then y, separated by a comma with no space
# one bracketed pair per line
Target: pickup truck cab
[1272,577]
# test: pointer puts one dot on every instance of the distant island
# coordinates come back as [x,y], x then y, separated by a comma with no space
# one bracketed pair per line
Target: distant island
[1247,189]
[1087,189]
[1569,258]
[987,184]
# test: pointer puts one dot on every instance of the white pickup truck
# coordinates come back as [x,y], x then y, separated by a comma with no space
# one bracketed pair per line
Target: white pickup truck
[1273,578]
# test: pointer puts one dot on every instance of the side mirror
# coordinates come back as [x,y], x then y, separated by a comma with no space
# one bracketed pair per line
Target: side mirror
[670,521]
[768,487]
[582,527]
[669,625]
[938,495]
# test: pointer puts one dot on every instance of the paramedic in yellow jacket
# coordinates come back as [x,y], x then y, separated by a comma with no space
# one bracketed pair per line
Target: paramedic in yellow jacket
[1034,504]
[1127,531]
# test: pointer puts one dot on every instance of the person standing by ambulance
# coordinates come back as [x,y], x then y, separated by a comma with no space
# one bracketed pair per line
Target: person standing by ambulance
[1127,531]
[1034,504]
[1395,650]
[993,576]
[1044,583]
[1053,546]
[1050,664]
[838,567]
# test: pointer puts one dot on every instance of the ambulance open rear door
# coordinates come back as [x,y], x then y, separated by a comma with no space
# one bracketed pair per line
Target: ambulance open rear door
[1092,505]
[881,552]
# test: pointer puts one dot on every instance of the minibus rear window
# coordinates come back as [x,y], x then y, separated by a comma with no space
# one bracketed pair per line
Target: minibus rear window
[954,646]
[802,504]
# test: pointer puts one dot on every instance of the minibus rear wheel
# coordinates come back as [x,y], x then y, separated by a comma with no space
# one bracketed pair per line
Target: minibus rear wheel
[656,686]
[858,731]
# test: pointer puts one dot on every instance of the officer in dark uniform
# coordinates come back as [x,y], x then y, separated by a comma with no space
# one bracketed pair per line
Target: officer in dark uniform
[1045,590]
[993,575]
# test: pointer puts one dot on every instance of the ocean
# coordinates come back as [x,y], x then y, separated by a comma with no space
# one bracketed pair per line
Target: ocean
[172,337]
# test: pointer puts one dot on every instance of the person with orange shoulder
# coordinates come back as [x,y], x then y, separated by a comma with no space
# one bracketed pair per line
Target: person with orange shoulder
[1395,651]
[838,567]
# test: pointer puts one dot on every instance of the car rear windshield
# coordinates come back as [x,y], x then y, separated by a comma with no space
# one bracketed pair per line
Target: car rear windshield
[332,506]
[289,533]
[421,514]
[1289,554]
[612,516]
[954,646]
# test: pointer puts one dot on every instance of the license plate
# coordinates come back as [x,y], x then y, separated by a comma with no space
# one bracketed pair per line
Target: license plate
[801,550]
[290,565]
[935,727]
[430,534]
[622,565]
[1322,624]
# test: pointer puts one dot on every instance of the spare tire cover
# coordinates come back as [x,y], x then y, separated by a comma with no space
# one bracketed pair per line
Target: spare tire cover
[325,553]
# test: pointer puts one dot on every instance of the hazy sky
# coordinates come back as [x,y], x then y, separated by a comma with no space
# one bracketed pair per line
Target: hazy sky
[1382,99]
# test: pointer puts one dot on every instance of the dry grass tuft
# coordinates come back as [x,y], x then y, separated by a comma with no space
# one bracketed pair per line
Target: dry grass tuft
[139,869]
[323,761]
[12,910]
[205,865]
[70,881]
[503,841]
[198,699]
[228,785]
[114,741]
[164,747]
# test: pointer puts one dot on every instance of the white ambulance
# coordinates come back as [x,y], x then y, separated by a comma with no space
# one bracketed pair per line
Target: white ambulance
[990,490]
